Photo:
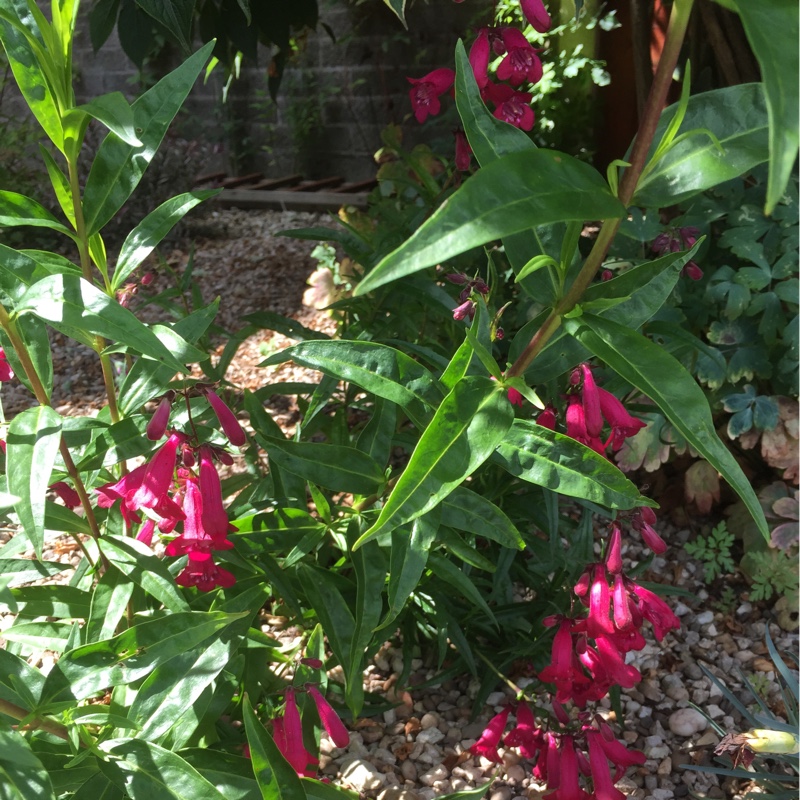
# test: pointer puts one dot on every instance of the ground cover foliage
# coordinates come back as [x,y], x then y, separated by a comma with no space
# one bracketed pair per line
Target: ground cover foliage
[453,470]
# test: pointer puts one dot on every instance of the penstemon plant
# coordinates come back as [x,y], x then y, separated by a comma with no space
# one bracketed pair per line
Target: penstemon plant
[418,517]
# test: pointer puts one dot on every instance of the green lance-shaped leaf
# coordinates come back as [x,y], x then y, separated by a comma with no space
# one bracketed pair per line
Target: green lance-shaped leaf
[772,30]
[276,778]
[399,8]
[141,241]
[24,47]
[20,683]
[16,209]
[76,308]
[489,137]
[541,456]
[146,771]
[448,572]
[507,196]
[334,466]
[115,112]
[377,368]
[176,16]
[22,774]
[666,382]
[470,511]
[467,427]
[409,555]
[131,655]
[231,774]
[32,447]
[737,118]
[118,167]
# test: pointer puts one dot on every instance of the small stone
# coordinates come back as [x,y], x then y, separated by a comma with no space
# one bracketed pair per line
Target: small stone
[429,721]
[744,608]
[681,610]
[693,671]
[495,698]
[390,716]
[384,756]
[656,752]
[651,690]
[711,630]
[650,782]
[408,770]
[705,618]
[686,721]
[662,794]
[430,736]
[503,793]
[665,767]
[438,773]
[362,776]
[515,773]
[396,793]
[714,711]
[708,738]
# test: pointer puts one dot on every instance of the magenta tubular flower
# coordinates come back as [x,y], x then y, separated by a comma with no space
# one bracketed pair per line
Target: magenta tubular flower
[521,64]
[515,397]
[525,735]
[158,478]
[330,719]
[652,539]
[692,271]
[157,426]
[145,535]
[427,90]
[195,536]
[486,746]
[624,674]
[466,309]
[569,783]
[536,14]
[215,519]
[623,616]
[616,752]
[202,572]
[547,419]
[576,419]
[69,497]
[227,420]
[590,399]
[295,752]
[622,423]
[599,620]
[511,106]
[6,373]
[656,611]
[614,555]
[479,58]
[601,778]
[463,151]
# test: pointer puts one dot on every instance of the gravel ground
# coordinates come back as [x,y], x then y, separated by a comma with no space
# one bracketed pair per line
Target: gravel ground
[419,750]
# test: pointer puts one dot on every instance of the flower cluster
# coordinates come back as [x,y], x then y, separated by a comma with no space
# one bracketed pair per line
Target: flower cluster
[677,239]
[566,754]
[179,489]
[466,307]
[520,64]
[589,408]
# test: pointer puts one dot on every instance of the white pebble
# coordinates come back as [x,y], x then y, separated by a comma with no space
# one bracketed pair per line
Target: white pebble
[686,721]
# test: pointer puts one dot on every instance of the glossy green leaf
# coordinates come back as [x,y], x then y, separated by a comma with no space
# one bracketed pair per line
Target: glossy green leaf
[369,566]
[176,16]
[61,518]
[336,467]
[60,184]
[231,774]
[41,635]
[275,777]
[22,775]
[737,117]
[171,688]
[771,27]
[109,605]
[375,438]
[14,571]
[16,209]
[467,427]
[33,333]
[541,456]
[377,368]
[409,555]
[99,787]
[20,683]
[132,654]
[472,512]
[75,307]
[317,790]
[399,8]
[448,572]
[137,562]
[115,112]
[287,326]
[458,547]
[489,137]
[149,772]
[141,241]
[503,198]
[117,442]
[664,380]
[24,47]
[63,602]
[118,167]
[32,446]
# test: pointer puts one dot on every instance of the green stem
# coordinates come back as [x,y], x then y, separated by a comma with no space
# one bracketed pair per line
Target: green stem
[656,100]
[37,723]
[513,686]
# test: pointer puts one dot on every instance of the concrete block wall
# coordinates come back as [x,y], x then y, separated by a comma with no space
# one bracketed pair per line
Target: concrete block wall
[335,98]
